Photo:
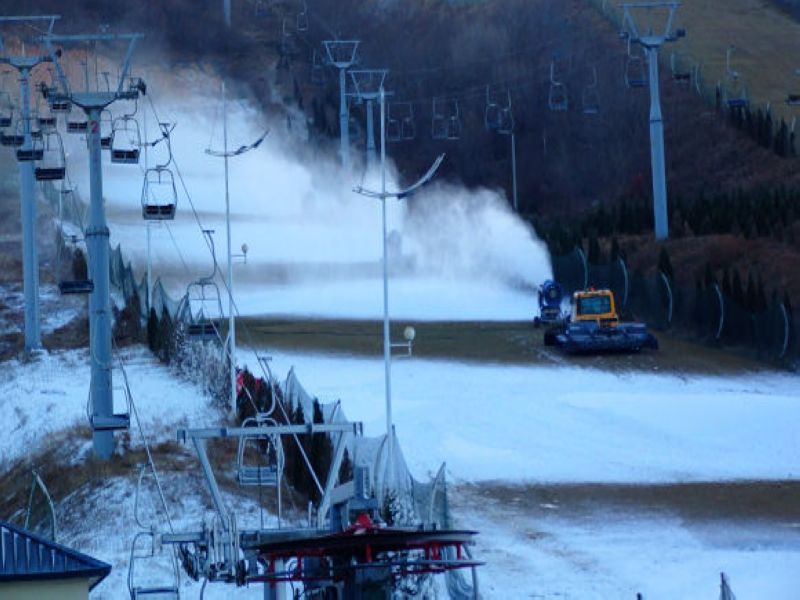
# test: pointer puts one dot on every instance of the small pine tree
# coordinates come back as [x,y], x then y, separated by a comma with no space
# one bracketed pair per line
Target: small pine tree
[153,340]
[665,264]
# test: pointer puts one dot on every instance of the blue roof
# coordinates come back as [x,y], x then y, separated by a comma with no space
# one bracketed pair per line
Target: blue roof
[25,556]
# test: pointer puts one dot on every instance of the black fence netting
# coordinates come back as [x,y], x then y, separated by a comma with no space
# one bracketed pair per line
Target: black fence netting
[704,312]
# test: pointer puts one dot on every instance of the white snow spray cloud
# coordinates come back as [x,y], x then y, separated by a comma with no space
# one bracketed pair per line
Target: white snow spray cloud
[299,217]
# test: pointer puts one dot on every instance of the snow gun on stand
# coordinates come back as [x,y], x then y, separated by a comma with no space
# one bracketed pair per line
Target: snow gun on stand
[594,328]
[550,299]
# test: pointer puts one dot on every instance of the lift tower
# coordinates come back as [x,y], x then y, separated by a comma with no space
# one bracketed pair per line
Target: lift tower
[103,420]
[30,261]
[368,84]
[651,42]
[342,55]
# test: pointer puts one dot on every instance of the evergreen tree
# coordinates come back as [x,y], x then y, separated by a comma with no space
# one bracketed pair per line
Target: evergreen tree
[665,264]
[153,339]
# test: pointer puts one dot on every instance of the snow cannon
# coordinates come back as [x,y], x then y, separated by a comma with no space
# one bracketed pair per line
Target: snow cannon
[595,327]
[550,298]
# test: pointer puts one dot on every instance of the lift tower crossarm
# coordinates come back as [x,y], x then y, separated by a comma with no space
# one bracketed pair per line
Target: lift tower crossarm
[30,261]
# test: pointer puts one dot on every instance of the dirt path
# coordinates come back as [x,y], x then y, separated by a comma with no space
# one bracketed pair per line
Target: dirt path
[500,342]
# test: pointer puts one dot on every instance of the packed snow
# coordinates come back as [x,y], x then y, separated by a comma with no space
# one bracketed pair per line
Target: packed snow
[543,423]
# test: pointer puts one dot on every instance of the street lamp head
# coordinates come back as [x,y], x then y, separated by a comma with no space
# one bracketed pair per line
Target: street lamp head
[245,248]
[409,333]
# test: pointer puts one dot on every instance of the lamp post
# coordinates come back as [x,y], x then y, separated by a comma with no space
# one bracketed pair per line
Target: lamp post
[225,155]
[382,195]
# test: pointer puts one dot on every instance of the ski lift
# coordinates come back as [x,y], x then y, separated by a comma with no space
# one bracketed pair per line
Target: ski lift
[591,99]
[491,116]
[635,72]
[118,421]
[126,141]
[261,9]
[679,75]
[400,125]
[302,18]
[317,69]
[6,110]
[557,98]
[159,195]
[288,42]
[250,471]
[446,120]
[106,129]
[146,549]
[793,99]
[202,305]
[53,165]
[505,124]
[46,121]
[15,139]
[77,126]
[33,152]
[734,90]
[79,285]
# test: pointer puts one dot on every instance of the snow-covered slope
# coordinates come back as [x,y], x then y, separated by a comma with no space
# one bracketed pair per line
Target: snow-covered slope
[561,424]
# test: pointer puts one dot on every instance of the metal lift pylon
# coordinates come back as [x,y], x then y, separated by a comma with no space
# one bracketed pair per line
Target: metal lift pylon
[651,42]
[30,260]
[368,84]
[342,55]
[103,420]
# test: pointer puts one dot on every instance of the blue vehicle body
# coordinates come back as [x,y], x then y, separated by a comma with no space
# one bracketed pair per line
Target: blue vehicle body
[550,297]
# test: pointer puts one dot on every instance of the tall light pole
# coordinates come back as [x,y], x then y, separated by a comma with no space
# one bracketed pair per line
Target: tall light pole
[342,55]
[93,102]
[382,195]
[30,260]
[651,42]
[225,155]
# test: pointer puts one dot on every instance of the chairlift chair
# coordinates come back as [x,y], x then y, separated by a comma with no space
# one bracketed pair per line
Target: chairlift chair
[126,141]
[400,124]
[635,71]
[735,92]
[117,421]
[317,69]
[491,115]
[288,42]
[6,110]
[557,98]
[159,195]
[33,152]
[106,129]
[204,304]
[145,549]
[590,97]
[53,164]
[302,18]
[15,139]
[77,126]
[679,76]
[506,122]
[252,473]
[445,124]
[59,104]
